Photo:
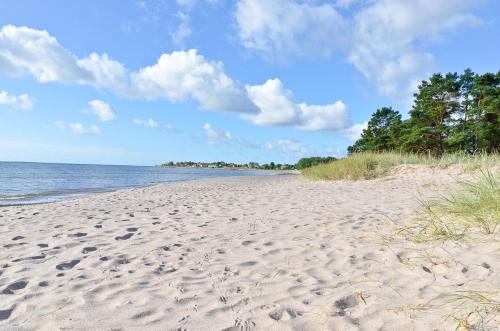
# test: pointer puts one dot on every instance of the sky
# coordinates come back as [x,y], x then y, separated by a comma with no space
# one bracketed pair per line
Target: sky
[143,82]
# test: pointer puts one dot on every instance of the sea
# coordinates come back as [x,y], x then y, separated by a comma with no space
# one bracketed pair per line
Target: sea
[30,182]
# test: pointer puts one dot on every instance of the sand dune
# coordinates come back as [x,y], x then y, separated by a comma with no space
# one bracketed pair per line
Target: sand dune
[263,253]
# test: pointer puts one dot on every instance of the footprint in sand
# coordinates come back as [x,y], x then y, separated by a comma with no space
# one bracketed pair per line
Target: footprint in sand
[248,264]
[5,314]
[345,303]
[12,288]
[67,265]
[284,314]
[77,235]
[124,237]
[88,250]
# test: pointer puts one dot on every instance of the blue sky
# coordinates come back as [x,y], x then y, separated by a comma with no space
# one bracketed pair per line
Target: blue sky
[143,82]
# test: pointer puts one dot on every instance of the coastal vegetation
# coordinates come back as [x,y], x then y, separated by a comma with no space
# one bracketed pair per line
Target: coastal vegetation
[312,161]
[230,165]
[472,208]
[450,113]
[373,164]
[455,119]
[301,164]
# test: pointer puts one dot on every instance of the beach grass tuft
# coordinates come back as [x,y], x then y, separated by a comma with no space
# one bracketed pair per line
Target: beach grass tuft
[472,207]
[369,165]
[474,309]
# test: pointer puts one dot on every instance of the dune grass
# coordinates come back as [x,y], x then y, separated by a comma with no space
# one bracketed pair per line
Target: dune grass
[474,206]
[369,165]
[474,309]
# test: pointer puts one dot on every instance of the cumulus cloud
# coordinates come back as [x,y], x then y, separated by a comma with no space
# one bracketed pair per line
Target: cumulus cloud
[26,50]
[182,75]
[386,38]
[102,110]
[18,102]
[78,128]
[278,108]
[149,123]
[104,72]
[386,34]
[275,103]
[276,28]
[183,31]
[354,132]
[215,136]
[176,77]
[29,51]
[152,124]
[286,146]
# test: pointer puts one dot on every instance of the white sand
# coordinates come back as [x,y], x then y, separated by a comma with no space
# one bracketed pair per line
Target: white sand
[263,253]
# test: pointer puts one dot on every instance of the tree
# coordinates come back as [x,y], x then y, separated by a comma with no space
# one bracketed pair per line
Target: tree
[307,162]
[486,112]
[382,132]
[450,113]
[435,103]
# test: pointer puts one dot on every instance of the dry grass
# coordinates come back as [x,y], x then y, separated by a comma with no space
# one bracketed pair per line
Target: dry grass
[474,310]
[369,165]
[473,207]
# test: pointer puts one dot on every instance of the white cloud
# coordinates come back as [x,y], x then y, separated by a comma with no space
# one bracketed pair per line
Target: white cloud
[78,128]
[290,148]
[386,34]
[278,108]
[385,39]
[102,109]
[354,132]
[149,123]
[29,51]
[276,28]
[286,146]
[186,74]
[183,31]
[26,50]
[152,124]
[21,102]
[104,72]
[181,75]
[176,77]
[274,102]
[215,136]
[330,117]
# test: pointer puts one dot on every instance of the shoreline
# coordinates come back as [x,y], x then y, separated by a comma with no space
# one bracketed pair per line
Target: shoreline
[260,252]
[76,193]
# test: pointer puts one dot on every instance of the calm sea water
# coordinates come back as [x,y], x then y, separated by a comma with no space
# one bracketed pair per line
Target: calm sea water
[26,182]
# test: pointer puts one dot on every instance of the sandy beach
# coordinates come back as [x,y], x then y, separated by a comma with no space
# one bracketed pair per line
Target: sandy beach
[244,253]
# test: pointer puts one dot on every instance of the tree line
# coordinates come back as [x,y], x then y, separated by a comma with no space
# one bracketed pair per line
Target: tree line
[450,113]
